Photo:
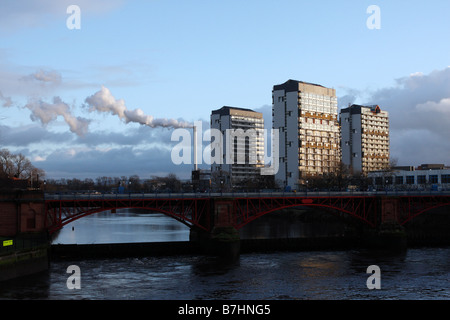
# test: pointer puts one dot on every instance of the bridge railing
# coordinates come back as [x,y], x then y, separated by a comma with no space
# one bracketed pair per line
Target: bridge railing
[112,196]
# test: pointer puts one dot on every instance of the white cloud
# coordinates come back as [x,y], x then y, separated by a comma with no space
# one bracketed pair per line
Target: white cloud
[44,77]
[38,159]
[442,106]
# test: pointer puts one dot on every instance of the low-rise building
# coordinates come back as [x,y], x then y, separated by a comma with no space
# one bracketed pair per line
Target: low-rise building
[424,177]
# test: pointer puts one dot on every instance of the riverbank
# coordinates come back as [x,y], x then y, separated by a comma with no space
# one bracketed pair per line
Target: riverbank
[19,264]
[23,254]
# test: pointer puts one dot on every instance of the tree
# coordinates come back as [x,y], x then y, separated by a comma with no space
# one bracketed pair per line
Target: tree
[18,166]
[172,183]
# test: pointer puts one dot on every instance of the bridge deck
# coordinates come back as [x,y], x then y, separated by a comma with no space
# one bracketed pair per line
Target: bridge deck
[72,196]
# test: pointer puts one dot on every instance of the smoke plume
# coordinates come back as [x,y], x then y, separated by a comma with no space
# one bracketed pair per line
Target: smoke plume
[104,101]
[47,112]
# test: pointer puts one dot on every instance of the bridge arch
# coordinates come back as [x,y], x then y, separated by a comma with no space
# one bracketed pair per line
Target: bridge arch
[189,224]
[61,213]
[408,217]
[330,211]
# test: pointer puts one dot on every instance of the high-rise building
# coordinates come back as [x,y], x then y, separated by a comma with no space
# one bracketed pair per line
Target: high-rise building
[306,116]
[364,138]
[242,145]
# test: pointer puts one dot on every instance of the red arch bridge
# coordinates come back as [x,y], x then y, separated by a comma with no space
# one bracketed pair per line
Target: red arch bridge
[206,211]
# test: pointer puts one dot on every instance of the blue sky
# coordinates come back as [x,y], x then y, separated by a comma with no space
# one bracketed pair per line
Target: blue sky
[182,59]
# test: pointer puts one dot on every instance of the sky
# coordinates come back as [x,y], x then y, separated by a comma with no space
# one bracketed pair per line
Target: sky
[103,99]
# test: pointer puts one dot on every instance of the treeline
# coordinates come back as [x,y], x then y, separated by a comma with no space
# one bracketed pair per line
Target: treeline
[105,184]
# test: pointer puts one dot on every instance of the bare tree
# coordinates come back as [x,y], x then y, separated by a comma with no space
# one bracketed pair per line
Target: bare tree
[18,166]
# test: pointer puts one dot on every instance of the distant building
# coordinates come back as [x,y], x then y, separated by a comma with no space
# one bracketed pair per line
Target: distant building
[364,138]
[306,116]
[201,180]
[244,158]
[425,177]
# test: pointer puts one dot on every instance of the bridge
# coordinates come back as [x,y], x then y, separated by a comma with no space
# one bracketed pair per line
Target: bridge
[213,218]
[206,211]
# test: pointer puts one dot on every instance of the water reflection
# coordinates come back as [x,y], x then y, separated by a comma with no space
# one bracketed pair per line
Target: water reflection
[294,223]
[124,226]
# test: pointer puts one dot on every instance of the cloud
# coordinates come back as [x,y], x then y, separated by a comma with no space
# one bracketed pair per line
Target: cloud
[442,106]
[44,77]
[419,115]
[349,98]
[131,137]
[104,101]
[5,101]
[30,134]
[113,162]
[17,80]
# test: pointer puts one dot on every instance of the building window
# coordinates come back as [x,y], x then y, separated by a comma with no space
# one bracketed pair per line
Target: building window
[445,178]
[409,179]
[421,179]
[433,178]
[399,180]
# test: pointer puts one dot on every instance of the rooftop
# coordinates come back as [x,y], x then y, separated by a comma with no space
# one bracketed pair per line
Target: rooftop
[292,85]
[226,110]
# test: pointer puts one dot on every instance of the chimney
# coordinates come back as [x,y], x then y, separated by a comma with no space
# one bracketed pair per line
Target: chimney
[195,147]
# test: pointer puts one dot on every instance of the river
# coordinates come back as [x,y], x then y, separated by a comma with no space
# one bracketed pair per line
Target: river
[417,273]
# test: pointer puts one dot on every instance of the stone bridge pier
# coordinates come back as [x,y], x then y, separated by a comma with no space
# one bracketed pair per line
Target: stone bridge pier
[389,234]
[23,238]
[223,240]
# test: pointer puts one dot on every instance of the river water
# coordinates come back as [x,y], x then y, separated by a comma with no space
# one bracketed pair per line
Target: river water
[418,273]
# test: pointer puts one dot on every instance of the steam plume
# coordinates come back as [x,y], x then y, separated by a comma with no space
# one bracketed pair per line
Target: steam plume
[104,101]
[47,112]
